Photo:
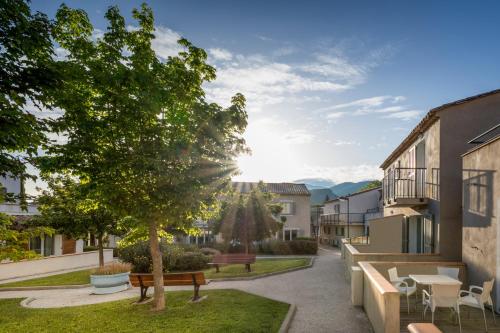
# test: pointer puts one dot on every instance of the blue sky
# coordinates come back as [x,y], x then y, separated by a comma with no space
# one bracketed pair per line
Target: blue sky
[332,86]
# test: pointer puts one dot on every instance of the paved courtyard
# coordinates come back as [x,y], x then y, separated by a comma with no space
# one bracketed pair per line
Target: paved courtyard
[321,294]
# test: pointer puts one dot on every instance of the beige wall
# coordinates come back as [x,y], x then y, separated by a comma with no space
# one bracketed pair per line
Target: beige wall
[481,214]
[386,234]
[52,264]
[329,238]
[302,216]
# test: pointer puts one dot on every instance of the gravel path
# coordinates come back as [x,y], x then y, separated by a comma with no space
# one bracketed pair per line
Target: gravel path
[321,294]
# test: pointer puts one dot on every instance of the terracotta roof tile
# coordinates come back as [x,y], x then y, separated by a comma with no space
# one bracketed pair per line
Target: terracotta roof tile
[277,188]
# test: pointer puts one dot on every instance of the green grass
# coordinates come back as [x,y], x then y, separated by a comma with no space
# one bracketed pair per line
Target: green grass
[261,266]
[222,311]
[71,278]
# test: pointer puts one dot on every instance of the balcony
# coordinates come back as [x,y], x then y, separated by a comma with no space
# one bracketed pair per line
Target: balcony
[343,219]
[405,187]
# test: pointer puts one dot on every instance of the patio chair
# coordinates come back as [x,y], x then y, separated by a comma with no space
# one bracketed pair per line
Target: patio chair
[442,296]
[403,287]
[449,271]
[478,300]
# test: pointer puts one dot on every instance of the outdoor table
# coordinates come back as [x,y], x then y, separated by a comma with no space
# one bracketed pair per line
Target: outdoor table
[430,279]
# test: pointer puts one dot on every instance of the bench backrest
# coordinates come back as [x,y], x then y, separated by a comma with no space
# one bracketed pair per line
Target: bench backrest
[169,279]
[234,259]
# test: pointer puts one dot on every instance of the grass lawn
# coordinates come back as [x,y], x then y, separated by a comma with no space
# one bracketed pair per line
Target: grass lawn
[222,311]
[262,266]
[77,277]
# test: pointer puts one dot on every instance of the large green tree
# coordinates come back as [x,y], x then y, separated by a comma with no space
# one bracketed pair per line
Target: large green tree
[27,81]
[73,209]
[249,217]
[139,130]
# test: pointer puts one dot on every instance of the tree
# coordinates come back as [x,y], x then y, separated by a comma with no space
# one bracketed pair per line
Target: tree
[373,184]
[27,76]
[139,130]
[14,240]
[250,217]
[72,209]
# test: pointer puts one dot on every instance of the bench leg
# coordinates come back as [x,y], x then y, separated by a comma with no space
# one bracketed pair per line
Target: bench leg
[144,291]
[216,268]
[248,268]
[196,295]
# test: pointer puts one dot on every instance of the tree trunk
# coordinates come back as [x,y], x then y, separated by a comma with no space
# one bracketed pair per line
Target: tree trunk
[101,250]
[159,290]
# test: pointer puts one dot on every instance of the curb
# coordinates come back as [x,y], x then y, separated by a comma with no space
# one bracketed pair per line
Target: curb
[69,286]
[287,322]
[311,263]
[26,302]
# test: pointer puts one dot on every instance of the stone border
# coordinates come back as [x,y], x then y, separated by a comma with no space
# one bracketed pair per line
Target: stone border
[287,322]
[68,286]
[248,278]
[26,302]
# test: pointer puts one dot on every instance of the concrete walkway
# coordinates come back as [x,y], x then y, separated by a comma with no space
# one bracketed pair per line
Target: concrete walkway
[321,294]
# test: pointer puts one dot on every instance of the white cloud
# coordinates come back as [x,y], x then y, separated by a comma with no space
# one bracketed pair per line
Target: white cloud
[335,115]
[299,137]
[165,42]
[354,173]
[220,54]
[345,143]
[405,115]
[337,68]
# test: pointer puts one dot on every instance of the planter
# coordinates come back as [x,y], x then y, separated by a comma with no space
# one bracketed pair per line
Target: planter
[109,284]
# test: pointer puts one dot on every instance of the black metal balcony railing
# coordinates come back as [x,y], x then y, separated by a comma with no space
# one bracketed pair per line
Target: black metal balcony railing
[343,218]
[404,183]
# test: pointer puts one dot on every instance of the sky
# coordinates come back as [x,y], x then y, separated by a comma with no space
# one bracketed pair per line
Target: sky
[332,87]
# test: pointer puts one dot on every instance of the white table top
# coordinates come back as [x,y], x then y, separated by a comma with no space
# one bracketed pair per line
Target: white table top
[433,279]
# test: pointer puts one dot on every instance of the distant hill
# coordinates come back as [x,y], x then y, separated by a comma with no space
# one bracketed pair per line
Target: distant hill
[349,187]
[315,183]
[320,195]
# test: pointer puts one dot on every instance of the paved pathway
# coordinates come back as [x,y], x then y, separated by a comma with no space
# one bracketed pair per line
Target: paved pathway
[320,293]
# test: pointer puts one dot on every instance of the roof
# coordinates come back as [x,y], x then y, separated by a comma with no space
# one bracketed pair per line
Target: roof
[277,188]
[484,144]
[429,119]
[356,193]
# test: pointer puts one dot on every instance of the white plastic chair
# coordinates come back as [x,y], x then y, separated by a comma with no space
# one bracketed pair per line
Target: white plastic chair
[478,300]
[449,271]
[442,296]
[402,286]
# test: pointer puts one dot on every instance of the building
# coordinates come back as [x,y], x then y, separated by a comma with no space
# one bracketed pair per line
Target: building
[349,217]
[423,175]
[481,210]
[45,245]
[295,199]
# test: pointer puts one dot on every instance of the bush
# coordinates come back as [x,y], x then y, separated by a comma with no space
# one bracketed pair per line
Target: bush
[89,248]
[279,247]
[174,257]
[208,251]
[190,261]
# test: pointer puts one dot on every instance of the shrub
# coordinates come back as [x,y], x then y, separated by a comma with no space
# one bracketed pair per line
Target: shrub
[174,257]
[303,246]
[190,261]
[208,251]
[89,248]
[113,268]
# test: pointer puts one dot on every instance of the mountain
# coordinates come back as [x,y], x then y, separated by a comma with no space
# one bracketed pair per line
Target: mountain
[315,183]
[320,195]
[349,187]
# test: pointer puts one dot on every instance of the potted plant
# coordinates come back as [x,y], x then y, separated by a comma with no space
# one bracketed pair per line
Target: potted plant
[111,278]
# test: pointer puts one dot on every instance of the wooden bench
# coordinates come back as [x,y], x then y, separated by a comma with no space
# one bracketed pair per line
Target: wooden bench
[423,328]
[225,259]
[145,280]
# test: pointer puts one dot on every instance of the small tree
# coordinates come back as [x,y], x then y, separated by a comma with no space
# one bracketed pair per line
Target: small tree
[72,209]
[14,239]
[250,217]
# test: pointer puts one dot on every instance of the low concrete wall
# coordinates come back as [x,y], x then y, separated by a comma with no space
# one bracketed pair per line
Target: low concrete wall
[380,300]
[52,264]
[352,256]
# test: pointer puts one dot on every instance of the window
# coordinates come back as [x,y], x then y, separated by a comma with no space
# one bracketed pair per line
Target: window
[288,208]
[290,234]
[36,245]
[339,231]
[336,208]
